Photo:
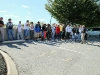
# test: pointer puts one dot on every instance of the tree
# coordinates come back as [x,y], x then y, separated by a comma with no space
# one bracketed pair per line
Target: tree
[85,12]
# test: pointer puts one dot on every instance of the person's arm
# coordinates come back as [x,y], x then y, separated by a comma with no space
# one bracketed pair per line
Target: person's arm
[3,23]
[7,26]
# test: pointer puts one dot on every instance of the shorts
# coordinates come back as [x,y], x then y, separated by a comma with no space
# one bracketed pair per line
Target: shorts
[37,34]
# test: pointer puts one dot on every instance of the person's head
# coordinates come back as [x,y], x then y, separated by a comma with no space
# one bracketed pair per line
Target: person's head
[9,19]
[83,26]
[19,22]
[27,21]
[38,22]
[80,26]
[74,26]
[44,25]
[1,18]
[32,23]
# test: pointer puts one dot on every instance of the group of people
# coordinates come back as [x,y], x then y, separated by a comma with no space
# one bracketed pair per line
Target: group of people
[45,31]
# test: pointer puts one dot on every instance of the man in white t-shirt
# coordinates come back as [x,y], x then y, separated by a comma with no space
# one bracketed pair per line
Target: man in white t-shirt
[26,29]
[19,31]
[68,31]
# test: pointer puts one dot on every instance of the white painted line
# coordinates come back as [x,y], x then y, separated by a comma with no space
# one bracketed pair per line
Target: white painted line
[70,50]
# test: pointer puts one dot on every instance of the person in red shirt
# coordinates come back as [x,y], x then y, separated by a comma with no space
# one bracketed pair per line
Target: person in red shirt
[58,32]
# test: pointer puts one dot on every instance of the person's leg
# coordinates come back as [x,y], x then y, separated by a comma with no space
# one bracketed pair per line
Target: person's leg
[2,33]
[31,34]
[82,38]
[12,33]
[53,35]
[25,34]
[60,34]
[18,36]
[8,32]
[73,36]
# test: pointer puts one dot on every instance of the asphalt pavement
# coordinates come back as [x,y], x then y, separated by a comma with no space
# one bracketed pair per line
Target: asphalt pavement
[55,58]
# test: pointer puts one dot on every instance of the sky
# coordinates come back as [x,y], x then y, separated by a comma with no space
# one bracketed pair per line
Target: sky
[22,10]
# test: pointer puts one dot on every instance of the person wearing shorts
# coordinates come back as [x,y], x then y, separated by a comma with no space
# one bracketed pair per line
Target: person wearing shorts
[37,30]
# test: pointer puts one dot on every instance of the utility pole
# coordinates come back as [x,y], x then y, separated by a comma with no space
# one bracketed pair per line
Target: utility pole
[50,20]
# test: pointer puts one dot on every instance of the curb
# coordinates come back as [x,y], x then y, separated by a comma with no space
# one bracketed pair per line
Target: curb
[11,67]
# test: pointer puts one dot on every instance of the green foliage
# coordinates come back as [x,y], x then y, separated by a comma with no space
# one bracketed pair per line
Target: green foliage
[76,11]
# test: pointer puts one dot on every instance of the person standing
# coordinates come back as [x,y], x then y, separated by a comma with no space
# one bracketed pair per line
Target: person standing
[74,33]
[68,31]
[9,27]
[43,32]
[37,30]
[48,31]
[58,32]
[26,29]
[61,27]
[1,28]
[32,31]
[63,31]
[53,32]
[19,31]
[83,34]
[80,31]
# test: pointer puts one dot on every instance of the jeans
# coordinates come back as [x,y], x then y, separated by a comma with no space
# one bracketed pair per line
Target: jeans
[26,32]
[10,33]
[53,35]
[60,34]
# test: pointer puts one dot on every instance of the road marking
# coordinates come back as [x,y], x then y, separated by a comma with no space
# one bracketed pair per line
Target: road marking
[70,50]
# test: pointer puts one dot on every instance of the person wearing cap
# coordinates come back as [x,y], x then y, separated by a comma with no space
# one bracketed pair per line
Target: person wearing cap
[9,27]
[37,30]
[26,29]
[1,28]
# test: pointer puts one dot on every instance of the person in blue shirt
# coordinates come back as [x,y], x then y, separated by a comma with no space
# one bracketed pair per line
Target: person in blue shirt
[37,30]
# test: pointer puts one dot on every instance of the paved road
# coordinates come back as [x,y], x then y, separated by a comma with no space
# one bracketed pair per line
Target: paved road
[55,58]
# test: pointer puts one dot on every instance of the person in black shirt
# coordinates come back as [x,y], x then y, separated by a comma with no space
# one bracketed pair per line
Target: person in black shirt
[1,28]
[9,27]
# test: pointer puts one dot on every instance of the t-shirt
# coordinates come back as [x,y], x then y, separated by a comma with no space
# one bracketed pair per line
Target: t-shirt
[9,25]
[61,27]
[1,22]
[38,28]
[68,29]
[32,27]
[53,29]
[19,26]
[25,26]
